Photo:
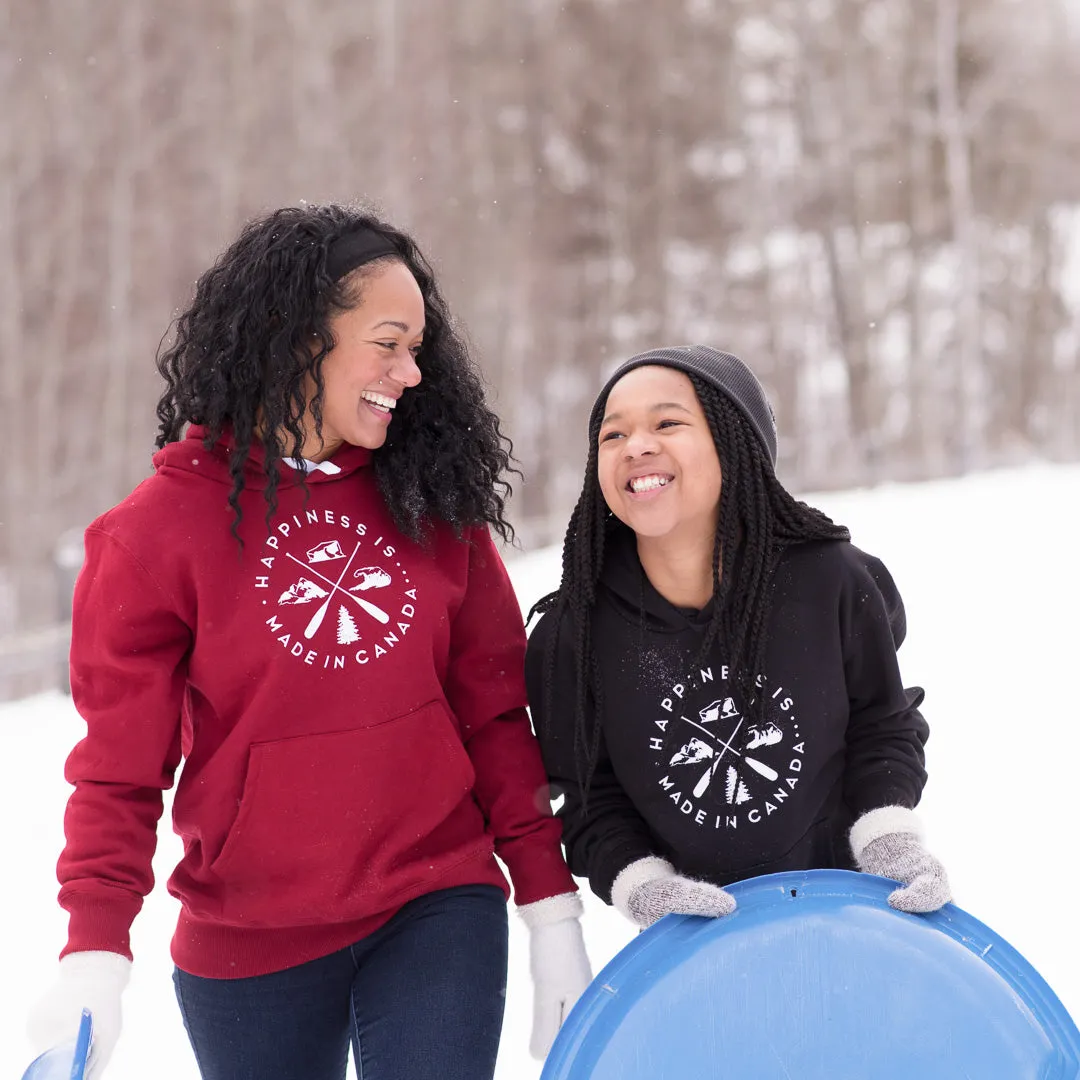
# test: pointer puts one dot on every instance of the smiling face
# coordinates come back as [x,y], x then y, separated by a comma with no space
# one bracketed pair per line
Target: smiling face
[656,459]
[372,363]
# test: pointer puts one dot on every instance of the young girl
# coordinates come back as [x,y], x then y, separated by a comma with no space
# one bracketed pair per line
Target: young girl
[715,683]
[304,605]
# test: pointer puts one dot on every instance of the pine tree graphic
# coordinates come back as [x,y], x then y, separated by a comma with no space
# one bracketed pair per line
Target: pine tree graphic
[735,790]
[346,627]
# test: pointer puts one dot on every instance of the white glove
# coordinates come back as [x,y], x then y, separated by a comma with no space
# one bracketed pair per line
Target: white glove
[558,963]
[888,842]
[88,980]
[648,889]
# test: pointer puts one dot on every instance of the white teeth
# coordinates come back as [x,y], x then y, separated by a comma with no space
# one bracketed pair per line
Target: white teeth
[378,399]
[647,483]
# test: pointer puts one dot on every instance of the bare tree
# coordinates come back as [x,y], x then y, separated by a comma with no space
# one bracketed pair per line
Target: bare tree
[873,201]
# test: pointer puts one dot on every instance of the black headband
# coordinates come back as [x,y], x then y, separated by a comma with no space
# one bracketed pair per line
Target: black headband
[361,246]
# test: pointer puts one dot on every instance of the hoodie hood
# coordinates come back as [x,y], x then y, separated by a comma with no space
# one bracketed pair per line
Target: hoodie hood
[633,596]
[190,455]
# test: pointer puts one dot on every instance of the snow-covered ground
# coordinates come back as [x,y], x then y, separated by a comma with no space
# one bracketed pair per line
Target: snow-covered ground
[988,568]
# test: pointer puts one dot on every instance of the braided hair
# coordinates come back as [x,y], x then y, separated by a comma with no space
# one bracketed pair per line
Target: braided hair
[243,350]
[758,519]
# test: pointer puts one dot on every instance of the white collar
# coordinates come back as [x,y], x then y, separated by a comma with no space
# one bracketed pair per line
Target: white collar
[306,466]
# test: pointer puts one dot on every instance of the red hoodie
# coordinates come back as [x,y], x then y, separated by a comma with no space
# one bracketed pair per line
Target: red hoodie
[348,706]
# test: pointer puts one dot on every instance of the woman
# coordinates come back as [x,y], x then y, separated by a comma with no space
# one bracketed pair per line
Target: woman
[304,605]
[715,683]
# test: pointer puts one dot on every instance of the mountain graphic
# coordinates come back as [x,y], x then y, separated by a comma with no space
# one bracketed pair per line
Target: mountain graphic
[769,735]
[327,551]
[303,592]
[371,577]
[721,709]
[695,750]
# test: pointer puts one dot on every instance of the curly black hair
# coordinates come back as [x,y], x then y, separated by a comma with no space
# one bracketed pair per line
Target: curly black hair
[758,519]
[242,349]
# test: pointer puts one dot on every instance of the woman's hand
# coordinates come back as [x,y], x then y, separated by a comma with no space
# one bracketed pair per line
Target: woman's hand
[87,980]
[558,963]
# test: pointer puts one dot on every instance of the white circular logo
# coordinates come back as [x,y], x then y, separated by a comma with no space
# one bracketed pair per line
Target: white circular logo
[717,766]
[333,594]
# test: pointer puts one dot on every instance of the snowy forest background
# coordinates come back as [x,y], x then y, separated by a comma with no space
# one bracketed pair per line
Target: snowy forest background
[875,202]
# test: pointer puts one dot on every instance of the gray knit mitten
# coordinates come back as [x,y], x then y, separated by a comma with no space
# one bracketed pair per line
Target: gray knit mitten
[888,842]
[649,889]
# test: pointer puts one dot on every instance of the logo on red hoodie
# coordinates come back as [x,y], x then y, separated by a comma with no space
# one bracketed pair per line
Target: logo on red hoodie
[336,597]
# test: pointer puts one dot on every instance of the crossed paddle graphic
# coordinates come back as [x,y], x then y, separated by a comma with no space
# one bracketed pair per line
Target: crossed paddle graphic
[335,587]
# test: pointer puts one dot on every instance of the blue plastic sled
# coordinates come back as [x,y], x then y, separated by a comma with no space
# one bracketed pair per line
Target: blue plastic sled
[815,977]
[67,1061]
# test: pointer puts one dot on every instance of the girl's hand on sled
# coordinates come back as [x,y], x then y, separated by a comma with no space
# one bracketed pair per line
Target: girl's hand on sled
[649,889]
[888,842]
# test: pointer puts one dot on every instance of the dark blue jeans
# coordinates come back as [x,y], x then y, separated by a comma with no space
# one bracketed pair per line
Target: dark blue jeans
[420,998]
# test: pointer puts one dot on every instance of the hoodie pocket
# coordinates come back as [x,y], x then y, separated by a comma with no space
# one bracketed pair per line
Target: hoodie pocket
[339,826]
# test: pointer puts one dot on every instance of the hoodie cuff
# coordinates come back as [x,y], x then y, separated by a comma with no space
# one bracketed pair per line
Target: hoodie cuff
[537,871]
[98,926]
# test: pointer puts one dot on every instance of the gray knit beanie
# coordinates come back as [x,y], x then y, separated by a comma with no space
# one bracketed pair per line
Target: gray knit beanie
[726,372]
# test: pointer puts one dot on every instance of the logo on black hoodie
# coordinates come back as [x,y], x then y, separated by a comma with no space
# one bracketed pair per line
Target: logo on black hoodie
[717,766]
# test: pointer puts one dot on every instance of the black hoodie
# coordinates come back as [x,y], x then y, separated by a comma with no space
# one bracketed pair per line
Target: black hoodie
[684,772]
